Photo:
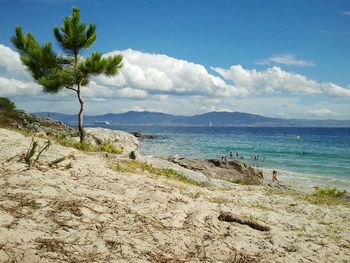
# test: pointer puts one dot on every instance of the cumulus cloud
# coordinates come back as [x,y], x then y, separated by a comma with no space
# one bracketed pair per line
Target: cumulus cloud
[286,59]
[11,62]
[158,82]
[94,90]
[161,74]
[321,113]
[14,87]
[275,80]
[131,93]
[161,97]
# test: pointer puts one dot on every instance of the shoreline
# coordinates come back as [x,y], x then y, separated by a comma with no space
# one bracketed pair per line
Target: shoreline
[297,180]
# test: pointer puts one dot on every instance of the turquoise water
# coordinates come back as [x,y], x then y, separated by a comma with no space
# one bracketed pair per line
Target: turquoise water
[312,156]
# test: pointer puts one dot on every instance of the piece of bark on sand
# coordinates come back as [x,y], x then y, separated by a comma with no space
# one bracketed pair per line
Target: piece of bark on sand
[229,217]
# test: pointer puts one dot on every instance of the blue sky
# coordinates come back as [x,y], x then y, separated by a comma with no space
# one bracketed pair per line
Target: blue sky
[286,58]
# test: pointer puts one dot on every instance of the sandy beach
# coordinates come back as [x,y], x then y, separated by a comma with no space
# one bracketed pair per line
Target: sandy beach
[81,210]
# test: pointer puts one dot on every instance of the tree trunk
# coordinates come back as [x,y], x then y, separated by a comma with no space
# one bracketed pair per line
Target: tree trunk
[80,116]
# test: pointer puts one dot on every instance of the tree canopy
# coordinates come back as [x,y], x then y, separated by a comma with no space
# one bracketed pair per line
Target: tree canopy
[67,70]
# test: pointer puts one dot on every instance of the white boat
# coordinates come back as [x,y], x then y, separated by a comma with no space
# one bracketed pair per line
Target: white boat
[102,122]
[210,124]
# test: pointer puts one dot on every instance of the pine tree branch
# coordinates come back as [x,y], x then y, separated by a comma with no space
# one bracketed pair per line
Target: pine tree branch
[72,89]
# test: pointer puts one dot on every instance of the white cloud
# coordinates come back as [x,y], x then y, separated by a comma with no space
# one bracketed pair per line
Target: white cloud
[347,13]
[137,108]
[275,80]
[335,90]
[286,59]
[161,74]
[10,61]
[321,113]
[131,93]
[14,87]
[94,90]
[162,83]
[161,97]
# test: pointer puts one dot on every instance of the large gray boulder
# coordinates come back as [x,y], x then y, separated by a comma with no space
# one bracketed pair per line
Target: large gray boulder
[119,138]
[232,171]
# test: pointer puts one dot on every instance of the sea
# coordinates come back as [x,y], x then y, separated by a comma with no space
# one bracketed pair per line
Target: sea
[308,156]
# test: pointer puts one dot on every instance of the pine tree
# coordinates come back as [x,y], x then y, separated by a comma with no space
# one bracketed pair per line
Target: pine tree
[69,70]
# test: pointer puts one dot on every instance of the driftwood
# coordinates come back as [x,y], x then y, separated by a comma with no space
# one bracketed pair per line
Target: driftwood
[229,217]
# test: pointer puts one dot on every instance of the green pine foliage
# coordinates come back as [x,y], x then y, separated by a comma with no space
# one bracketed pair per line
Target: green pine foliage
[6,104]
[56,72]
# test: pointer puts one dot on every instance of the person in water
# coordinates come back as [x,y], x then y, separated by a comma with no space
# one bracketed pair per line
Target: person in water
[274,175]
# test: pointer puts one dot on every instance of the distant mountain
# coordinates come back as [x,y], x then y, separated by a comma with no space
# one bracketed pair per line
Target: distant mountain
[218,119]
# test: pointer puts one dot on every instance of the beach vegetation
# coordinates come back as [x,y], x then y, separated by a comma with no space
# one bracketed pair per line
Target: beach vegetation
[175,175]
[329,192]
[108,146]
[247,180]
[7,104]
[321,196]
[137,167]
[9,114]
[35,151]
[69,70]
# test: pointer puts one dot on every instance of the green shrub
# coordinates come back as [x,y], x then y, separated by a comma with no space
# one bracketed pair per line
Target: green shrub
[172,174]
[247,180]
[329,192]
[88,147]
[321,196]
[109,147]
[6,104]
[134,166]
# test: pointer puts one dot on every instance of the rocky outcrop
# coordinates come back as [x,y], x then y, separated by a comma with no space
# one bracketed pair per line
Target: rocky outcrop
[45,126]
[120,139]
[232,171]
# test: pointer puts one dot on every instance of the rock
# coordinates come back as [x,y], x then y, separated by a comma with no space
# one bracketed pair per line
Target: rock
[134,155]
[35,126]
[41,134]
[19,126]
[225,170]
[138,134]
[118,138]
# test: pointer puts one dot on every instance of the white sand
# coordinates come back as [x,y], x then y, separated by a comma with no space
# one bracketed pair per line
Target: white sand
[89,213]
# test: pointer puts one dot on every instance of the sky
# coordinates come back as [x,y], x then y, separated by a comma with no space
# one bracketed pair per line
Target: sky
[288,59]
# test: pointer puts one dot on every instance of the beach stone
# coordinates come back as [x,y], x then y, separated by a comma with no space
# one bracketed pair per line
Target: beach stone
[134,155]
